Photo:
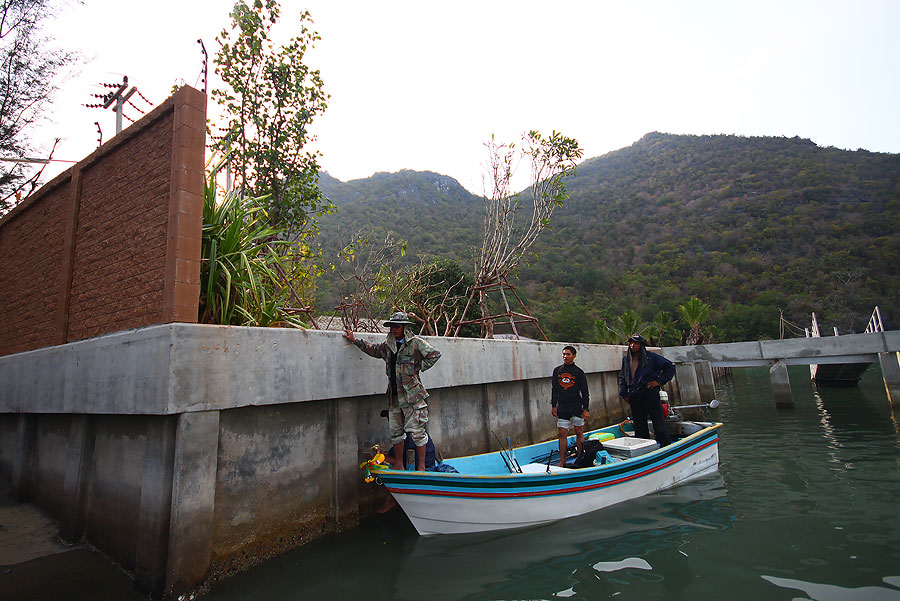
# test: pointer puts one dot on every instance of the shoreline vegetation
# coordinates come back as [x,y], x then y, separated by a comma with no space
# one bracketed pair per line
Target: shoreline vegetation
[753,227]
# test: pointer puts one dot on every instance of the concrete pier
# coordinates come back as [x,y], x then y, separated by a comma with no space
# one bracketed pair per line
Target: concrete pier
[187,453]
[778,354]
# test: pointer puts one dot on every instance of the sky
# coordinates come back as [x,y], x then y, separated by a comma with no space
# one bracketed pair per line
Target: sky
[424,84]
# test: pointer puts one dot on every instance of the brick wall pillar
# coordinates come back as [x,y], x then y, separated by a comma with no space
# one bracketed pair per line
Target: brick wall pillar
[181,294]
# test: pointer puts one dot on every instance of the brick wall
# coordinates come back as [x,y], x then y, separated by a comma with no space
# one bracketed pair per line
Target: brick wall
[30,268]
[112,243]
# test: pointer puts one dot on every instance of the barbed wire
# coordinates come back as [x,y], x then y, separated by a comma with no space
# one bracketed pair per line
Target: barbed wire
[135,107]
[138,92]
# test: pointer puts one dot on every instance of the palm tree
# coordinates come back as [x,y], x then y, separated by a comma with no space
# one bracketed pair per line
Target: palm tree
[662,324]
[619,329]
[603,334]
[694,312]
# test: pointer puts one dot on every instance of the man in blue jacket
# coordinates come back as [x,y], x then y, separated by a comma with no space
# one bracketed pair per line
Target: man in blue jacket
[642,375]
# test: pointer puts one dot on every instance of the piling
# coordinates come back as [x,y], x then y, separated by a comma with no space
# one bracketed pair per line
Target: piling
[781,385]
[890,371]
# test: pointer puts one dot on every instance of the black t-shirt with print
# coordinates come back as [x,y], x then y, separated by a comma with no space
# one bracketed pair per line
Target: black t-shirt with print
[569,391]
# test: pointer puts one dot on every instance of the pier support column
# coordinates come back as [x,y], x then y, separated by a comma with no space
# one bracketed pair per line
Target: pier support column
[781,385]
[78,460]
[344,510]
[193,501]
[705,381]
[23,457]
[890,371]
[155,507]
[615,406]
[688,387]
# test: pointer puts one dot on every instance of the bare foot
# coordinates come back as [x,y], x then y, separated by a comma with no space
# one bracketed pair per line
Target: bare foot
[561,464]
[389,503]
[420,468]
[398,465]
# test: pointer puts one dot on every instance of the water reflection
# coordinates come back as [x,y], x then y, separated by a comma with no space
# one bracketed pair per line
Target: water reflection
[830,592]
[589,555]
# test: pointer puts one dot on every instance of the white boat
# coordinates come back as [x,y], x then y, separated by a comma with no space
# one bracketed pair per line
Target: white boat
[489,493]
[559,548]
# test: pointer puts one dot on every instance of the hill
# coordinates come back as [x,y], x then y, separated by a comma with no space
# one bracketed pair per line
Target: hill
[751,226]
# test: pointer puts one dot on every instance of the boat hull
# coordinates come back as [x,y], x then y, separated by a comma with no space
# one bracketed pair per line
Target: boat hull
[441,503]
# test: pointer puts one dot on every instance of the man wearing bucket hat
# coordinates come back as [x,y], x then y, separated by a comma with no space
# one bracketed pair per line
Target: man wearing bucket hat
[404,355]
[640,379]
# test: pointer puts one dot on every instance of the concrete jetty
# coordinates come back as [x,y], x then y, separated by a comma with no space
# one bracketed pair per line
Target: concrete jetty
[190,452]
[187,453]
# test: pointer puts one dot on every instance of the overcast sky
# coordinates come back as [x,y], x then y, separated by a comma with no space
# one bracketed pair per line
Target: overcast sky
[423,84]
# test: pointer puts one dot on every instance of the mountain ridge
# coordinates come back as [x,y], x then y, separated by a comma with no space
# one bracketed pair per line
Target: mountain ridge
[751,225]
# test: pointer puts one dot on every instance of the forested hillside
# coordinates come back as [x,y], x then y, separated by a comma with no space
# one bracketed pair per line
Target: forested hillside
[751,226]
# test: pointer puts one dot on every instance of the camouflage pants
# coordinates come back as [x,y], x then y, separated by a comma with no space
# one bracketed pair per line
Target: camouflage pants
[403,420]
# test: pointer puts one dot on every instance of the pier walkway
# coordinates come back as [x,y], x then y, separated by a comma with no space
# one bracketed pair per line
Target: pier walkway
[694,363]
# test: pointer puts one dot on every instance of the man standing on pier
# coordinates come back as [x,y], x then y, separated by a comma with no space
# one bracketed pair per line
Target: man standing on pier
[569,398]
[404,355]
[642,375]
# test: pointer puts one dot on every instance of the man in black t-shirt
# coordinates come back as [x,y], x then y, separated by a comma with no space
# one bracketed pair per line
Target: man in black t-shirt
[569,399]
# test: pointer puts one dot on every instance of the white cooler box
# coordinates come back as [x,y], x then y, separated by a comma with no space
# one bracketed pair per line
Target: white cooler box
[627,446]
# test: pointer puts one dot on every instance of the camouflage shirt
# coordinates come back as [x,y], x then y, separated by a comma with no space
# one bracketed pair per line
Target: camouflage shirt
[413,356]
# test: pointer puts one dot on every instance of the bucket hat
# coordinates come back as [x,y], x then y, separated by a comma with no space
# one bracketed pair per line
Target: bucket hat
[398,319]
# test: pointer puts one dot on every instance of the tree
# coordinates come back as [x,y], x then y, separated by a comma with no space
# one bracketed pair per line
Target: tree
[367,270]
[694,312]
[29,65]
[270,99]
[504,241]
[661,325]
[619,329]
[434,294]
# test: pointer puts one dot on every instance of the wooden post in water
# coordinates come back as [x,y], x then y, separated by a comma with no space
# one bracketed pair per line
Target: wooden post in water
[688,388]
[781,385]
[890,371]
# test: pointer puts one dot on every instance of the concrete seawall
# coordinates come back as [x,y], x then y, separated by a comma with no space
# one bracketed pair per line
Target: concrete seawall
[189,452]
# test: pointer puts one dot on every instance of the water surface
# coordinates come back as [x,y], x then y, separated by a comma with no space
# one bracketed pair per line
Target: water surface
[806,505]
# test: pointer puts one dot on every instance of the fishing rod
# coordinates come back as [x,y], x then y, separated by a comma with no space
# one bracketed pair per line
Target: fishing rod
[512,455]
[502,455]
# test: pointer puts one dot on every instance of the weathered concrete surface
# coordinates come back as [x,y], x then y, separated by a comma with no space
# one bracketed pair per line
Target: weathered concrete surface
[890,370]
[34,564]
[176,368]
[193,501]
[781,385]
[192,452]
[705,381]
[688,387]
[849,348]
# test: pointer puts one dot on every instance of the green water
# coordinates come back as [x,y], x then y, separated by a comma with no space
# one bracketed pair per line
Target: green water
[806,505]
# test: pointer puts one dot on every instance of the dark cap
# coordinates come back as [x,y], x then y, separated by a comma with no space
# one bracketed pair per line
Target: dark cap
[398,319]
[637,338]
